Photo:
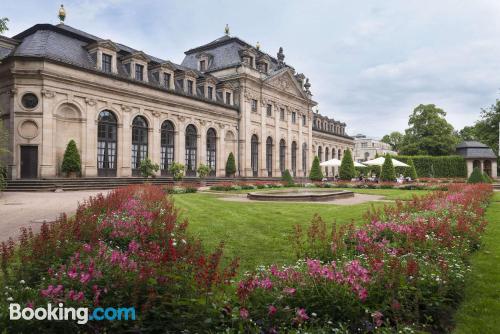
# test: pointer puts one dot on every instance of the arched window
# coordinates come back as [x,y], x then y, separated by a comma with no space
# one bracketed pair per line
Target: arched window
[320,153]
[254,152]
[106,144]
[294,158]
[212,150]
[139,143]
[282,155]
[167,147]
[269,156]
[191,150]
[304,158]
[327,153]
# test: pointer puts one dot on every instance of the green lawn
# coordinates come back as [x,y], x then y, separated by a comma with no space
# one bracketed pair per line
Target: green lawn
[480,311]
[259,232]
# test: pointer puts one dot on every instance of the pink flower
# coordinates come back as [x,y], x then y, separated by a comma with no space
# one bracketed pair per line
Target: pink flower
[244,313]
[84,277]
[377,318]
[302,315]
[133,246]
[72,273]
[266,283]
[87,248]
[289,291]
[272,310]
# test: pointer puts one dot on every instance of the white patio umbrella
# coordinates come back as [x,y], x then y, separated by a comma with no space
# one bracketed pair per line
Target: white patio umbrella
[336,163]
[380,161]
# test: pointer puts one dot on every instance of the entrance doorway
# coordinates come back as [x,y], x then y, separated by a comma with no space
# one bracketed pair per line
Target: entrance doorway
[29,162]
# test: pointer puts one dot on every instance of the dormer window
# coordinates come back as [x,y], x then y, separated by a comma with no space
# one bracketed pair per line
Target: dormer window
[166,80]
[210,92]
[203,65]
[228,98]
[190,87]
[107,63]
[139,72]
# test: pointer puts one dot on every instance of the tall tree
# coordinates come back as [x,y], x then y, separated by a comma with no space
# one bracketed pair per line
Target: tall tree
[395,139]
[3,25]
[486,128]
[428,132]
[467,133]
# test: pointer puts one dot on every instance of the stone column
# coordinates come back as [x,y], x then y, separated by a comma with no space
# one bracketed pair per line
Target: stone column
[493,169]
[47,151]
[276,143]
[154,148]
[262,142]
[202,148]
[91,139]
[299,149]
[221,152]
[181,143]
[125,144]
[288,157]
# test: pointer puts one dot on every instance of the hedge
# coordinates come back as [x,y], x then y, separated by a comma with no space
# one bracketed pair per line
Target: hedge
[432,166]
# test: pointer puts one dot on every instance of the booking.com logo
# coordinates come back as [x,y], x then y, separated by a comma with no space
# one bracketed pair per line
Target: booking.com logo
[80,314]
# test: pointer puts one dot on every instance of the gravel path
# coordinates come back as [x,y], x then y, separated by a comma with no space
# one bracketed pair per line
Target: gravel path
[19,209]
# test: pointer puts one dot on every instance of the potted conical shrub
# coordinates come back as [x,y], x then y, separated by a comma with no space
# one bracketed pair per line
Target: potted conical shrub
[347,171]
[230,165]
[388,174]
[203,171]
[316,174]
[71,164]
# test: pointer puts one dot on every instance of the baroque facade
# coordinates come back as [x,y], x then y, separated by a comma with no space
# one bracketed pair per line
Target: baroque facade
[366,148]
[121,105]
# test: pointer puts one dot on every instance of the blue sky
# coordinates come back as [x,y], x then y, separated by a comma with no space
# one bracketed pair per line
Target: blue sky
[369,62]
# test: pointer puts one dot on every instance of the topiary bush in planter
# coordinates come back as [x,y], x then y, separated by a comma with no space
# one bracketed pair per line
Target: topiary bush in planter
[71,164]
[203,171]
[388,173]
[316,174]
[476,176]
[148,168]
[347,170]
[287,178]
[177,171]
[230,165]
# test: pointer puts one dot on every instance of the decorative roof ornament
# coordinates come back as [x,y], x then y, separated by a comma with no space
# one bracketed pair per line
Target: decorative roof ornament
[307,85]
[281,58]
[62,14]
[257,46]
[226,30]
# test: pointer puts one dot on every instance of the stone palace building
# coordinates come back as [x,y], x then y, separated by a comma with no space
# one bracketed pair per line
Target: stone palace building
[122,105]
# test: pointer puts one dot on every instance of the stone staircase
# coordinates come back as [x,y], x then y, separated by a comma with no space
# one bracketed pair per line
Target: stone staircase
[496,184]
[98,183]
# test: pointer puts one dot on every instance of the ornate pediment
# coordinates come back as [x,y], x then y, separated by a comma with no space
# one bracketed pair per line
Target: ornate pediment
[286,82]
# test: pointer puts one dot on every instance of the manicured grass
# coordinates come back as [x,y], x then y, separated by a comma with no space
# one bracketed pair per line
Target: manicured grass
[259,233]
[480,311]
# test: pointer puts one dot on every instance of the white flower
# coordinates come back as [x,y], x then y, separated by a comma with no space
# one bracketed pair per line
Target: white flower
[22,281]
[314,314]
[10,299]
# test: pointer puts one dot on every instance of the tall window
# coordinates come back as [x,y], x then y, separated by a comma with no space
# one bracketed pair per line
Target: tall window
[210,92]
[304,158]
[106,62]
[228,98]
[339,154]
[212,150]
[191,150]
[139,69]
[294,117]
[327,153]
[166,80]
[282,155]
[106,144]
[254,105]
[269,110]
[139,143]
[294,158]
[203,65]
[320,153]
[304,122]
[282,114]
[269,156]
[190,87]
[167,147]
[254,152]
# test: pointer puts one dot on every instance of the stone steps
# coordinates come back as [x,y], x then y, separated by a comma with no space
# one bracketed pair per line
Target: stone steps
[109,183]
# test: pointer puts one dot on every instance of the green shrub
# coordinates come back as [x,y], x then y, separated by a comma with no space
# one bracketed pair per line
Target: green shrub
[437,166]
[287,178]
[71,161]
[148,168]
[487,178]
[230,165]
[411,171]
[388,173]
[476,176]
[203,171]
[346,170]
[316,174]
[177,171]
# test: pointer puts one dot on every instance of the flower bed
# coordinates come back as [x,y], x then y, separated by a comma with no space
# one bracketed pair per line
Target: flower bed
[402,271]
[128,249]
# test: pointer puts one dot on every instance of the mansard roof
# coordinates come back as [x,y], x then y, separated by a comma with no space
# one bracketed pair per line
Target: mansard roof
[475,150]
